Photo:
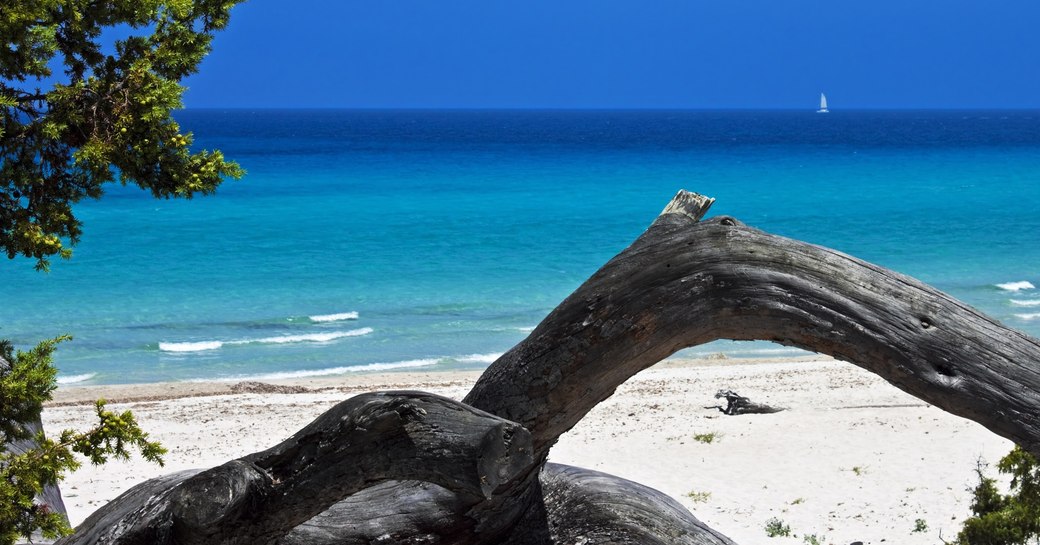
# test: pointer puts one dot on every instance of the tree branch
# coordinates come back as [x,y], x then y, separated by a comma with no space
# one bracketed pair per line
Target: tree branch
[363,441]
[685,283]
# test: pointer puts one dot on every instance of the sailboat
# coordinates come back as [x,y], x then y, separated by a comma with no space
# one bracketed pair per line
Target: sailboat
[823,105]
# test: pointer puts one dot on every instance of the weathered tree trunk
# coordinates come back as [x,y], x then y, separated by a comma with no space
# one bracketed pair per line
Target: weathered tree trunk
[368,439]
[685,282]
[579,505]
[682,283]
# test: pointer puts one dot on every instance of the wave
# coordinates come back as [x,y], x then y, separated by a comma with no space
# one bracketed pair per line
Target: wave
[73,379]
[306,373]
[190,346]
[1026,302]
[1016,286]
[737,352]
[521,329]
[478,358]
[307,337]
[1030,316]
[200,346]
[334,317]
[767,351]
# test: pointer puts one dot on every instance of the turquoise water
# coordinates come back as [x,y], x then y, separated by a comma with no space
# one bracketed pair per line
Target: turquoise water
[365,240]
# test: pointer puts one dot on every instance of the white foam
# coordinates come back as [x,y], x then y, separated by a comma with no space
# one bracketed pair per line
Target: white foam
[305,373]
[1026,302]
[72,379]
[767,351]
[190,346]
[527,329]
[1016,286]
[1031,316]
[334,317]
[307,337]
[394,365]
[200,346]
[478,358]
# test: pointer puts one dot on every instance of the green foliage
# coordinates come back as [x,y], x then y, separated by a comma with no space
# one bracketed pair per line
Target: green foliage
[25,384]
[1012,519]
[920,525]
[108,117]
[698,497]
[707,438]
[811,539]
[776,528]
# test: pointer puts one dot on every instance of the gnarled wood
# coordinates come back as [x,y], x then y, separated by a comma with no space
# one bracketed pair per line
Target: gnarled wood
[569,505]
[363,441]
[738,404]
[585,506]
[685,283]
[682,283]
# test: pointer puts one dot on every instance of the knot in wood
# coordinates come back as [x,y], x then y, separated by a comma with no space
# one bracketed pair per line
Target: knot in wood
[410,412]
[728,221]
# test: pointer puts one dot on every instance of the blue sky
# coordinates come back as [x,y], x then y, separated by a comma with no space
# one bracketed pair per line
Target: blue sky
[625,54]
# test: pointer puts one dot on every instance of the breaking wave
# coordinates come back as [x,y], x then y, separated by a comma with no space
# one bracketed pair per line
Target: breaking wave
[1016,286]
[339,317]
[200,346]
[307,373]
[73,379]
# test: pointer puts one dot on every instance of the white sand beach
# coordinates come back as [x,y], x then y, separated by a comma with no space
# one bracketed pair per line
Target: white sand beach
[851,459]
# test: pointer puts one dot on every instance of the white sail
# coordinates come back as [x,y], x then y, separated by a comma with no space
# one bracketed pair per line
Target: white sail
[823,104]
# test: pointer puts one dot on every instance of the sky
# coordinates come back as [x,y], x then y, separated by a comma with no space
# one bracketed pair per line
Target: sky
[624,54]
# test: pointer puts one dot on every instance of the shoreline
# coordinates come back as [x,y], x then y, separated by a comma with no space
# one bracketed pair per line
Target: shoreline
[851,458]
[356,382]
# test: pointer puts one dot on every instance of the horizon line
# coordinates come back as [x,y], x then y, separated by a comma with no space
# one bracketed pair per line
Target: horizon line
[617,109]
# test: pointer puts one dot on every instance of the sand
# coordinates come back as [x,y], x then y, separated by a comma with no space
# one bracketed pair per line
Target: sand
[851,459]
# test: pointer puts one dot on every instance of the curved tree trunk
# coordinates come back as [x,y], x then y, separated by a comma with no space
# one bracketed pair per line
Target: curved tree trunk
[363,441]
[579,505]
[686,282]
[442,472]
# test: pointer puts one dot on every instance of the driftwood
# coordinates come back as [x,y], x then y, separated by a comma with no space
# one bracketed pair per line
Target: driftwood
[362,441]
[738,404]
[684,282]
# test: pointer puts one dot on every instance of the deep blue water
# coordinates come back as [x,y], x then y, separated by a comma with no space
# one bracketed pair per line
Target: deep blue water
[451,233]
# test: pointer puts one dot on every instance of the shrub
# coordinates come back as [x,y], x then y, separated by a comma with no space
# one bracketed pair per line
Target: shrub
[776,528]
[698,497]
[26,382]
[707,438]
[999,519]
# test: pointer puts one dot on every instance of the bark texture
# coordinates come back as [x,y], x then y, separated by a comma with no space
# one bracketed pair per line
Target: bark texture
[579,505]
[737,404]
[417,469]
[363,441]
[686,282]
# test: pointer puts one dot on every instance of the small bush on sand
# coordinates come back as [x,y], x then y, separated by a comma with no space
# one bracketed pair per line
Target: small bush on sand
[1012,519]
[776,528]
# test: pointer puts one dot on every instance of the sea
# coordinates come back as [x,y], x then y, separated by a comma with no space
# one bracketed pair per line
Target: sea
[372,240]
